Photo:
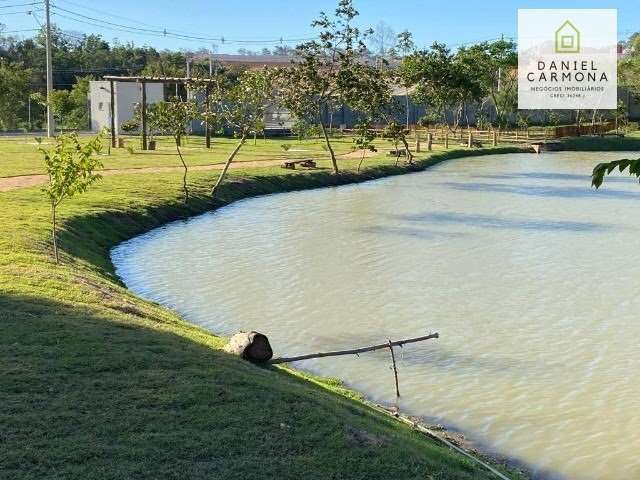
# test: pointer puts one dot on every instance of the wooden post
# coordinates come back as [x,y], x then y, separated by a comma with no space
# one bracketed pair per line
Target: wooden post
[207,132]
[113,114]
[417,142]
[143,114]
[395,369]
[470,140]
[495,139]
[446,140]
[430,141]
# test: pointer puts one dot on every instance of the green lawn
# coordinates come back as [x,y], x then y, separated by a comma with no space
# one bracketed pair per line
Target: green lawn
[19,155]
[96,383]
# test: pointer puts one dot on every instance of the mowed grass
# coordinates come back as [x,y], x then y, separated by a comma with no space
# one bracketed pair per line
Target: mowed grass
[19,155]
[96,383]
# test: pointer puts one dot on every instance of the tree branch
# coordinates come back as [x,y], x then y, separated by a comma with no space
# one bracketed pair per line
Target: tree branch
[355,351]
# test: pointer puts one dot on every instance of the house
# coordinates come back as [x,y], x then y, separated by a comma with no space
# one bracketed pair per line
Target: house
[567,38]
[126,96]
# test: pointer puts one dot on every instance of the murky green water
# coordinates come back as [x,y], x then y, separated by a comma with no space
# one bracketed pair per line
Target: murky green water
[530,277]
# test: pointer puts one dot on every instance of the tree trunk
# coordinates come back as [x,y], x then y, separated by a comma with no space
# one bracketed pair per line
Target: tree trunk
[332,154]
[229,160]
[364,152]
[406,147]
[184,165]
[406,99]
[54,232]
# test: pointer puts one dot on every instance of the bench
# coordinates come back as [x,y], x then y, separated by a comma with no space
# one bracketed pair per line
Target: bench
[306,163]
[401,152]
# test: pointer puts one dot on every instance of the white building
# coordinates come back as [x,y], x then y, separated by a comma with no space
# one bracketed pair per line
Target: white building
[126,94]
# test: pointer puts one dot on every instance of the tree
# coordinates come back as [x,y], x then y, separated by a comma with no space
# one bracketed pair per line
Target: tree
[173,118]
[313,81]
[382,40]
[444,82]
[70,166]
[629,66]
[405,45]
[242,107]
[69,106]
[14,88]
[364,140]
[493,65]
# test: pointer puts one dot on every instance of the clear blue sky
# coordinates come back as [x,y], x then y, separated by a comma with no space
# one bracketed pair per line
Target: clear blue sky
[451,22]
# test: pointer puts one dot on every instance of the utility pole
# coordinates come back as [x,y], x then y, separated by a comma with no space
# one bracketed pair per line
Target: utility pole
[50,121]
[188,76]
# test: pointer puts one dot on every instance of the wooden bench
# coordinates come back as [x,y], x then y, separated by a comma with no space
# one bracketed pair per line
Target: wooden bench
[401,152]
[306,163]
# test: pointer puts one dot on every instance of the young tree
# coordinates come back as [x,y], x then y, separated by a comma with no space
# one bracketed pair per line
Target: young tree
[173,118]
[242,107]
[405,45]
[364,140]
[313,80]
[396,134]
[70,166]
[367,90]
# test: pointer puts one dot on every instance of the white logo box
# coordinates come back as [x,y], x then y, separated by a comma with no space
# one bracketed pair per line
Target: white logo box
[567,59]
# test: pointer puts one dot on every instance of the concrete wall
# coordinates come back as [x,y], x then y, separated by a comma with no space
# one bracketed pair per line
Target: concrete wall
[127,96]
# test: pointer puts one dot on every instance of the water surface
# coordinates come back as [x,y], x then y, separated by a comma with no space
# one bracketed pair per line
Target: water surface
[529,275]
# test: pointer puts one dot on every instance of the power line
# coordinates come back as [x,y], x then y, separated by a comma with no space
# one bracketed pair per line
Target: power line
[163,32]
[2,32]
[20,5]
[27,12]
[180,33]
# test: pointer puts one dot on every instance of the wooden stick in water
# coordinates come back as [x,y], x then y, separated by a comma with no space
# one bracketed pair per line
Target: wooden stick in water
[355,351]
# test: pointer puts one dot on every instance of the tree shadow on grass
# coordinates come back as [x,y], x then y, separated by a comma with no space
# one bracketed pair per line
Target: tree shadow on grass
[88,393]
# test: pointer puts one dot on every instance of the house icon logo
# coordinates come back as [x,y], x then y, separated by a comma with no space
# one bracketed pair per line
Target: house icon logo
[567,38]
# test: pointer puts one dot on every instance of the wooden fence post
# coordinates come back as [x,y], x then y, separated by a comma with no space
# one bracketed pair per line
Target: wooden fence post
[417,142]
[470,140]
[143,114]
[446,140]
[429,141]
[495,139]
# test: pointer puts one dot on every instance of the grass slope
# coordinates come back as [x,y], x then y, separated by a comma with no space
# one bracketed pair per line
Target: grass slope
[96,383]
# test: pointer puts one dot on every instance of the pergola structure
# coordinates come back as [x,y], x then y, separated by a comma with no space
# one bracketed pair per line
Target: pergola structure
[143,101]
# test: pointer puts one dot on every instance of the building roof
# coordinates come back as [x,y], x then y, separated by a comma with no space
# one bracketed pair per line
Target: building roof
[144,79]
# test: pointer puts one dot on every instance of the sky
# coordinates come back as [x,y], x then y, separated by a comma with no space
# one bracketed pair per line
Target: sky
[254,24]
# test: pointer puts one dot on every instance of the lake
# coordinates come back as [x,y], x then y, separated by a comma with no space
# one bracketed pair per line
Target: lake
[529,275]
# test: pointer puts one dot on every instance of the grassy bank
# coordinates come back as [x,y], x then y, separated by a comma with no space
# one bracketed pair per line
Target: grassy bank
[603,144]
[96,383]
